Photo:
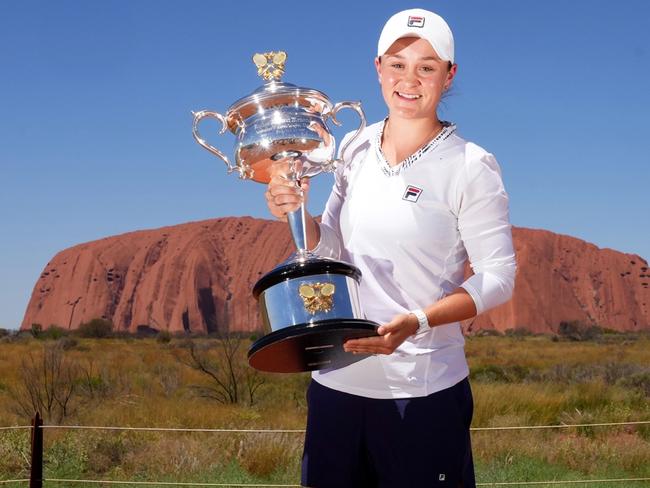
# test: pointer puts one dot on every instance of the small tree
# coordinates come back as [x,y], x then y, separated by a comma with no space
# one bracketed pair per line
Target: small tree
[229,379]
[48,384]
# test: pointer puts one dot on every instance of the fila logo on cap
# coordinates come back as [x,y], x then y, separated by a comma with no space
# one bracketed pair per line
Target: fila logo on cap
[412,193]
[415,21]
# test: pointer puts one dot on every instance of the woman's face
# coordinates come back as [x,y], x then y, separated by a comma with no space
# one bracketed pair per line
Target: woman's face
[412,78]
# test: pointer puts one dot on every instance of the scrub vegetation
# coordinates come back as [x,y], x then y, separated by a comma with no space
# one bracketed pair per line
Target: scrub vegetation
[518,380]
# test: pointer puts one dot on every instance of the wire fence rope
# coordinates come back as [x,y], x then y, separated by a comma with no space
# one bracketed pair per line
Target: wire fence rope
[560,426]
[495,483]
[164,483]
[302,431]
[560,482]
[176,429]
[296,431]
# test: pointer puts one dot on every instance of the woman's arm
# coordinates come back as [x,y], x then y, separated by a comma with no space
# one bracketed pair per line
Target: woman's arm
[484,226]
[455,307]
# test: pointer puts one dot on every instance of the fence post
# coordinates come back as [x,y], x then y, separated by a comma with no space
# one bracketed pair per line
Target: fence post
[36,471]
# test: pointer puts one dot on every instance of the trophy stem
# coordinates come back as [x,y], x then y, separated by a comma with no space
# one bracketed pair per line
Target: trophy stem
[296,221]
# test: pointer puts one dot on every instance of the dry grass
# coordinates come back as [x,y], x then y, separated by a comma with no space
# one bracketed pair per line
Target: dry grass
[516,381]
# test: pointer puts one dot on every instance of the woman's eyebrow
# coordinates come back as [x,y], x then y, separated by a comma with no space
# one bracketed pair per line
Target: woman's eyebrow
[425,58]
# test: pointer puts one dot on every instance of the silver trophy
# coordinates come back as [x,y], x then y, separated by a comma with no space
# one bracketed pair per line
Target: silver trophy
[309,304]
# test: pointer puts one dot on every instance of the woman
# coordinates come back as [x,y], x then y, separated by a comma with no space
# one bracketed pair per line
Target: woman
[411,203]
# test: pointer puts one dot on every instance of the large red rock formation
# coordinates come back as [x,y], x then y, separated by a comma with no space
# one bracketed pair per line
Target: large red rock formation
[198,277]
[561,278]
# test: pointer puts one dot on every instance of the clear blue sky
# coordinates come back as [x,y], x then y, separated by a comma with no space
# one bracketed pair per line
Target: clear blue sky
[95,100]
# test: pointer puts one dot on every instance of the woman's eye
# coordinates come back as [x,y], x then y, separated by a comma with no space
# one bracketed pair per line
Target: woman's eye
[397,65]
[427,69]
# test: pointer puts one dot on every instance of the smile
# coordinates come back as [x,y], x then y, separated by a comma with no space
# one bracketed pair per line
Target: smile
[408,96]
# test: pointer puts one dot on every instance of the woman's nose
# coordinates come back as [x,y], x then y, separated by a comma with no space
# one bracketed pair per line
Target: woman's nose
[410,77]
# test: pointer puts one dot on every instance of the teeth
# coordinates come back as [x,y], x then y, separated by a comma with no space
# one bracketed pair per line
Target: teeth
[406,95]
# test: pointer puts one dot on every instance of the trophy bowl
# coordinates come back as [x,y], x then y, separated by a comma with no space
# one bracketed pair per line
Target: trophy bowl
[309,304]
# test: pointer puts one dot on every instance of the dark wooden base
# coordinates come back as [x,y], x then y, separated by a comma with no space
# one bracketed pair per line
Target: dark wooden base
[308,347]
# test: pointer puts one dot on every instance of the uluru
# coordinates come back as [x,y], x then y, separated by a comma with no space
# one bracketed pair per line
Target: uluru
[197,277]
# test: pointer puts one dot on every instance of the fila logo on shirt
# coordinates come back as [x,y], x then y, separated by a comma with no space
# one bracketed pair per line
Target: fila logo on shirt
[412,193]
[415,21]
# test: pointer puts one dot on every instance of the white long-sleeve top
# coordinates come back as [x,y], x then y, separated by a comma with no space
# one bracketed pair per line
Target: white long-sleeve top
[409,229]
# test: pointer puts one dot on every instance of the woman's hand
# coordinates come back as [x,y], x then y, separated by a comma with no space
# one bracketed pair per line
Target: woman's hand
[391,335]
[457,306]
[282,194]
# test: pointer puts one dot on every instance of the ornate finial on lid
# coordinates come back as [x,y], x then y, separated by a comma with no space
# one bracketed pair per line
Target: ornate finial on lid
[270,66]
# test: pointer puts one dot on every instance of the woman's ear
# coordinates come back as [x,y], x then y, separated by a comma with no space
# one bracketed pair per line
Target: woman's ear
[450,76]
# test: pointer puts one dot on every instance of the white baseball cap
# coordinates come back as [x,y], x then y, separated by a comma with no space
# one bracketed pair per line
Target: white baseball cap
[417,22]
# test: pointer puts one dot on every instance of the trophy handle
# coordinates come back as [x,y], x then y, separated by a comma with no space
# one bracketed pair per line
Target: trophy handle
[203,114]
[356,106]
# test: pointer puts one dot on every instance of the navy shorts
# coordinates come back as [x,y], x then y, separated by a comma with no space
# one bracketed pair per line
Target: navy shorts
[360,442]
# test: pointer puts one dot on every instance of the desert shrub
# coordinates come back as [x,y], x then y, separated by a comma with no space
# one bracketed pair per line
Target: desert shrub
[623,374]
[169,378]
[95,382]
[67,456]
[577,417]
[123,335]
[518,332]
[578,331]
[639,380]
[108,452]
[14,453]
[18,336]
[144,330]
[493,372]
[263,458]
[53,332]
[36,330]
[164,337]
[96,328]
[67,343]
[489,333]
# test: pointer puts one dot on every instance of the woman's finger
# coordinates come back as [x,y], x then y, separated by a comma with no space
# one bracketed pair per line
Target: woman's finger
[286,199]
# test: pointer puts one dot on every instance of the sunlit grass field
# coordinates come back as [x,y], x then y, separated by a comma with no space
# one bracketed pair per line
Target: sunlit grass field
[517,381]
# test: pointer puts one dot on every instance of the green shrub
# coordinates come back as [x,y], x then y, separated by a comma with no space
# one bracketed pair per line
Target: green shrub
[14,454]
[96,328]
[36,330]
[639,380]
[504,374]
[518,332]
[53,332]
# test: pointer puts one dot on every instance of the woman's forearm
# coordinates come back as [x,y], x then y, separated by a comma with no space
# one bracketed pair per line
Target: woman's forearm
[455,307]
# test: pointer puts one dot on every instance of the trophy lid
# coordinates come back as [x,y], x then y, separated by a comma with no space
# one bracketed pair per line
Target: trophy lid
[273,93]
